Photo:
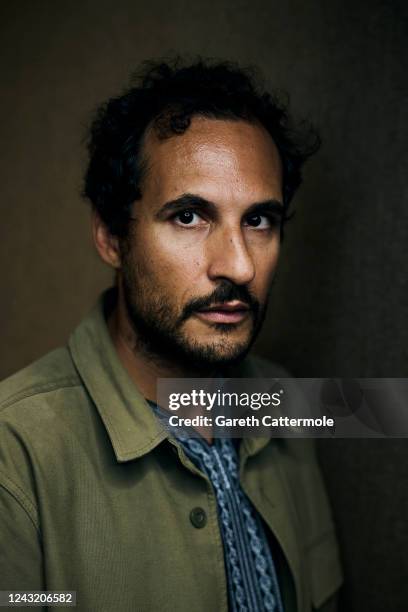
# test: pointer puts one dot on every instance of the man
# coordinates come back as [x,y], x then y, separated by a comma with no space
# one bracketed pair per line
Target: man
[191,173]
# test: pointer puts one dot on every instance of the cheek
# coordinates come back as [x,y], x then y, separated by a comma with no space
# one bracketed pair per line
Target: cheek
[267,260]
[171,262]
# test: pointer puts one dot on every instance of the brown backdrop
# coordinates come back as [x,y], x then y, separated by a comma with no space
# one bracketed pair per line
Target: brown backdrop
[340,303]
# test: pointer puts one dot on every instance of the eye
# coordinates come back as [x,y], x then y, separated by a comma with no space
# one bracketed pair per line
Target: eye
[263,222]
[188,217]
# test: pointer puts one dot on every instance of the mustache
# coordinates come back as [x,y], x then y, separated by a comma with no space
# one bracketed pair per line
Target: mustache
[225,292]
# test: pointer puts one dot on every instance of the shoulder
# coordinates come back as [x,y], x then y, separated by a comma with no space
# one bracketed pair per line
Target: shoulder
[38,405]
[39,409]
[50,374]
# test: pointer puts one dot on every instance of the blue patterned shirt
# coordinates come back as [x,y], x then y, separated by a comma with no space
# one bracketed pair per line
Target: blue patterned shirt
[252,581]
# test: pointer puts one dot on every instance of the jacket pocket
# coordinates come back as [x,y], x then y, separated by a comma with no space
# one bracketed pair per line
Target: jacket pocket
[324,568]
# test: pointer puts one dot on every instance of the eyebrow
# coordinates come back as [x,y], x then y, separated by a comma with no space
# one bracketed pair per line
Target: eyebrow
[190,200]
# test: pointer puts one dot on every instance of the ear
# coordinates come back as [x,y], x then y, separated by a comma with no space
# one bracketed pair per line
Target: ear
[106,244]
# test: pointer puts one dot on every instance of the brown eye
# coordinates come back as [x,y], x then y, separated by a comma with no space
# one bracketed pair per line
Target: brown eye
[186,217]
[254,220]
[258,221]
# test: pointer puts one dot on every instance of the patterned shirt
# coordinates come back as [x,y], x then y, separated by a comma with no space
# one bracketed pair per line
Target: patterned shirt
[252,581]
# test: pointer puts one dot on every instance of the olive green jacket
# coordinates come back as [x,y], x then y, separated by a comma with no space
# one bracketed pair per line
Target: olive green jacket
[97,498]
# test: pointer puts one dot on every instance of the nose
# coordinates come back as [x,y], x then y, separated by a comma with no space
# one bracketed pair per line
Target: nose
[229,257]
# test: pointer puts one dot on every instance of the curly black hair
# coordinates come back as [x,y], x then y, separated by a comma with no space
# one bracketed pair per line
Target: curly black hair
[166,95]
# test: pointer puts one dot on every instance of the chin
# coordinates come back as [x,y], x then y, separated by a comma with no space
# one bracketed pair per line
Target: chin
[217,355]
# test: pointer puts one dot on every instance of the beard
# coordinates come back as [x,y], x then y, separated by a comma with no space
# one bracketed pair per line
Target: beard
[158,326]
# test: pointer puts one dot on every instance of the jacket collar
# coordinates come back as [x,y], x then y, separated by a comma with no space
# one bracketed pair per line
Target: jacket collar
[130,422]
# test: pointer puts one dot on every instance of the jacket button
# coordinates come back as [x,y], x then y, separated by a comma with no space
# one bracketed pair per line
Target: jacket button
[198,517]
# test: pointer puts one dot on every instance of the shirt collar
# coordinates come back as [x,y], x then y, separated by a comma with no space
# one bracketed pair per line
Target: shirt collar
[130,422]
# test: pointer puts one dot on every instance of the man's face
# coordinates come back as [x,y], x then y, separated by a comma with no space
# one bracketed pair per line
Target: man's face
[200,257]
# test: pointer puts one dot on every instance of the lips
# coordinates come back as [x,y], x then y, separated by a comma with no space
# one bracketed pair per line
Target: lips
[227,312]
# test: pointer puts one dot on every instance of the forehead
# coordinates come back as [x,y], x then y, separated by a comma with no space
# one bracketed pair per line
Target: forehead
[215,159]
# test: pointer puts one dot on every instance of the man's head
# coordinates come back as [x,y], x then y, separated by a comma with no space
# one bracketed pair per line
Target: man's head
[191,174]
